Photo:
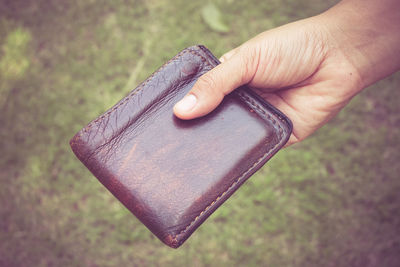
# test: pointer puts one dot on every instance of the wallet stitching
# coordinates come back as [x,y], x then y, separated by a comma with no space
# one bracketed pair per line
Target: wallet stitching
[268,116]
[245,98]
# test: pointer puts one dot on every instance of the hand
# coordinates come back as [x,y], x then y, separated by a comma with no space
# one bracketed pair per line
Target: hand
[302,68]
[294,67]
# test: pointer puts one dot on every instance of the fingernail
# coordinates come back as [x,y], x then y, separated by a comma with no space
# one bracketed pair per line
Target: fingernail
[187,103]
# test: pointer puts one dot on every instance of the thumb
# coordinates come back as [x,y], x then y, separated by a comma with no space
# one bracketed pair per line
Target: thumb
[211,87]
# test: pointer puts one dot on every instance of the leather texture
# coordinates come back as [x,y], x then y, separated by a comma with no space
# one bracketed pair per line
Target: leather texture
[172,174]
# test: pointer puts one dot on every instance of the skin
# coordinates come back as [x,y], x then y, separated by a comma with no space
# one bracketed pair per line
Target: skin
[309,69]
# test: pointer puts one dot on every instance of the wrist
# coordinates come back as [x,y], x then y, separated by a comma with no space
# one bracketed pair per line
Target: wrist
[367,33]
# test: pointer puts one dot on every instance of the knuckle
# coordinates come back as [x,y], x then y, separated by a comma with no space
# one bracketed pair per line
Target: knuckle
[249,59]
[207,84]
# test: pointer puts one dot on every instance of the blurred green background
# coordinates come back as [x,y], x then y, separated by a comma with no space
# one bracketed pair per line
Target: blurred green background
[333,200]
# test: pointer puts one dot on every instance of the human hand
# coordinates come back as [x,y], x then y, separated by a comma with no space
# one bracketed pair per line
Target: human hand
[305,69]
[292,67]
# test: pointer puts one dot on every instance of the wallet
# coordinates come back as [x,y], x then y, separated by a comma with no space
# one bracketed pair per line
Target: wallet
[172,174]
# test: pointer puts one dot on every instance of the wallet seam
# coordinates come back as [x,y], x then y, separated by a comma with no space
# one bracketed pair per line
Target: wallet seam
[237,180]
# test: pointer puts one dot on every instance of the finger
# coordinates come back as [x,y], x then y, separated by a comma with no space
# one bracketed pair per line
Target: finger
[292,140]
[228,55]
[210,89]
[286,109]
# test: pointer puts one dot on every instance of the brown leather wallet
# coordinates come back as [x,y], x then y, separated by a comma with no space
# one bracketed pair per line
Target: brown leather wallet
[170,173]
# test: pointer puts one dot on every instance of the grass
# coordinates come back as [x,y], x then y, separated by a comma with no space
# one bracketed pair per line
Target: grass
[331,201]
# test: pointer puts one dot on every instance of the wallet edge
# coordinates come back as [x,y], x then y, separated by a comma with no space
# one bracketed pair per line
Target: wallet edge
[176,240]
[284,123]
[250,98]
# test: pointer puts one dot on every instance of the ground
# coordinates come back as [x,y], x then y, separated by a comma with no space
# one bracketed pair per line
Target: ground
[332,200]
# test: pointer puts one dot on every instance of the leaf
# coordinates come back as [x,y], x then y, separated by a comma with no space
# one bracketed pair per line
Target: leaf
[212,17]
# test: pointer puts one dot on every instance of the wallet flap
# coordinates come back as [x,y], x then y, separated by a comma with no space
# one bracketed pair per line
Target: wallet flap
[171,173]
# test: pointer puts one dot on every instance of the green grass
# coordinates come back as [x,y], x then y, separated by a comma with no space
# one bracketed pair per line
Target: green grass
[331,201]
